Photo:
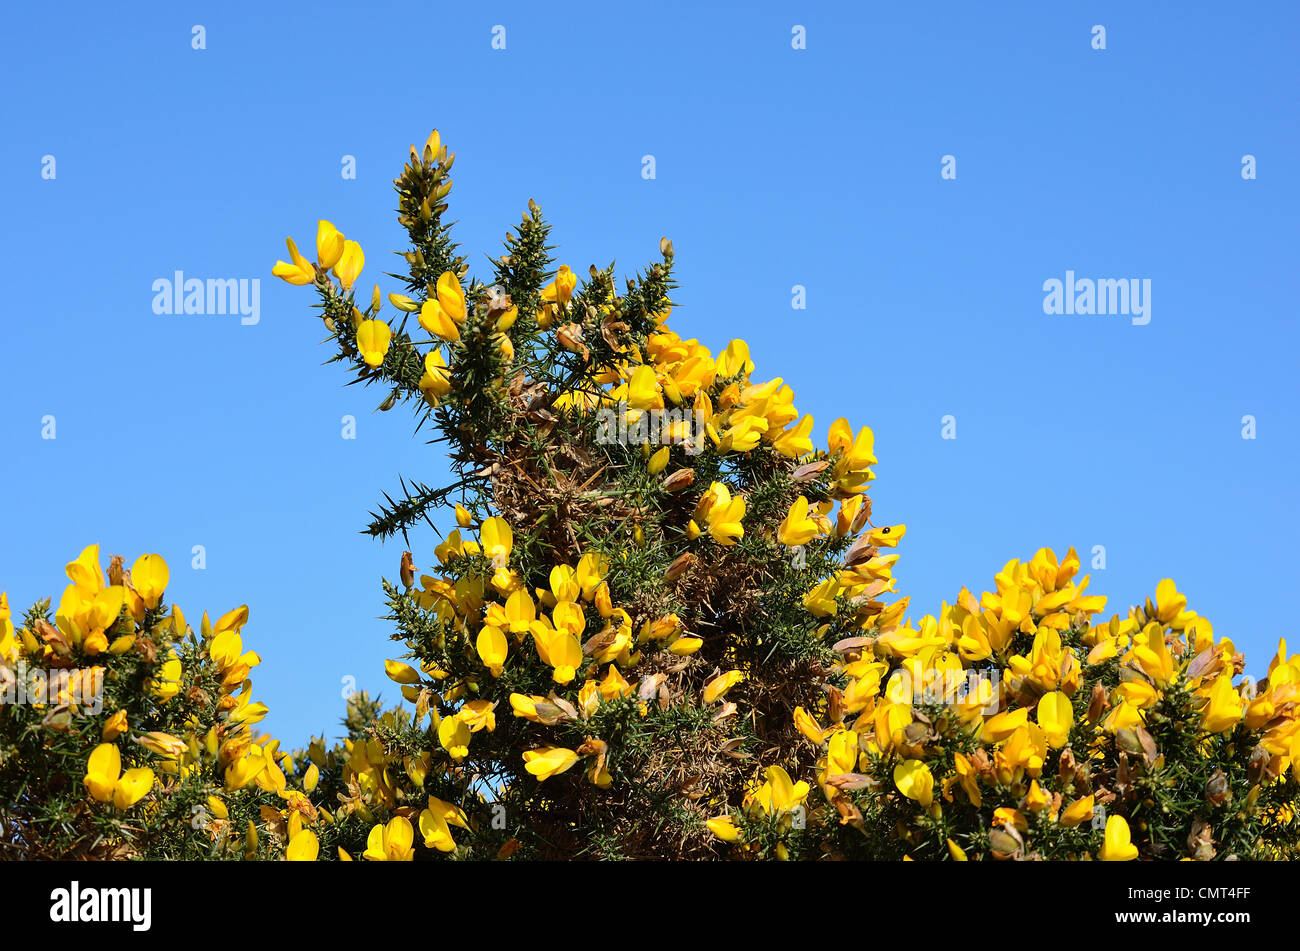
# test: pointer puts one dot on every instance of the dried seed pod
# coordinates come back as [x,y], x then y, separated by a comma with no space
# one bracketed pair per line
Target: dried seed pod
[679,565]
[1217,790]
[1098,703]
[681,479]
[809,471]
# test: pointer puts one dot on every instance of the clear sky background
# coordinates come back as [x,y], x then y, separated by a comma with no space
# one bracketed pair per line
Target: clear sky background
[774,167]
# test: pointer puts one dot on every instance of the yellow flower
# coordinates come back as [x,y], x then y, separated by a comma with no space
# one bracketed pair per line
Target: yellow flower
[809,727]
[1055,716]
[1036,800]
[373,338]
[443,314]
[797,528]
[888,536]
[842,753]
[454,736]
[559,648]
[498,542]
[526,706]
[564,586]
[561,289]
[734,360]
[795,442]
[1125,715]
[436,822]
[479,715]
[719,685]
[686,645]
[102,771]
[115,725]
[724,827]
[303,847]
[521,612]
[1117,847]
[1169,602]
[9,646]
[244,770]
[724,515]
[301,271]
[492,648]
[391,843]
[1001,725]
[168,682]
[547,761]
[851,472]
[106,782]
[349,265]
[915,781]
[779,794]
[968,779]
[149,577]
[643,391]
[1154,657]
[225,649]
[820,599]
[85,571]
[1077,812]
[329,244]
[132,787]
[436,381]
[401,673]
[1224,709]
[591,571]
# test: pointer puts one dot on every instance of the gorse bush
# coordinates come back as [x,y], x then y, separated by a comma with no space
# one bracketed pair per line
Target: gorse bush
[657,621]
[122,728]
[660,619]
[125,733]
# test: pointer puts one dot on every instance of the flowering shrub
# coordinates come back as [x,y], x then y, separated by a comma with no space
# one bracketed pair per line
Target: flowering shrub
[124,733]
[663,625]
[660,619]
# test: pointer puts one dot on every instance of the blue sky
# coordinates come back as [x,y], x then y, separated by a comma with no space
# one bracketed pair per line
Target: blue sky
[775,167]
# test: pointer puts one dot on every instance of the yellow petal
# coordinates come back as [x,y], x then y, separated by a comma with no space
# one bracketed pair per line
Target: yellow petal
[549,761]
[149,577]
[329,244]
[373,339]
[450,297]
[724,828]
[303,847]
[102,771]
[1055,716]
[1118,846]
[349,265]
[132,787]
[915,781]
[401,673]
